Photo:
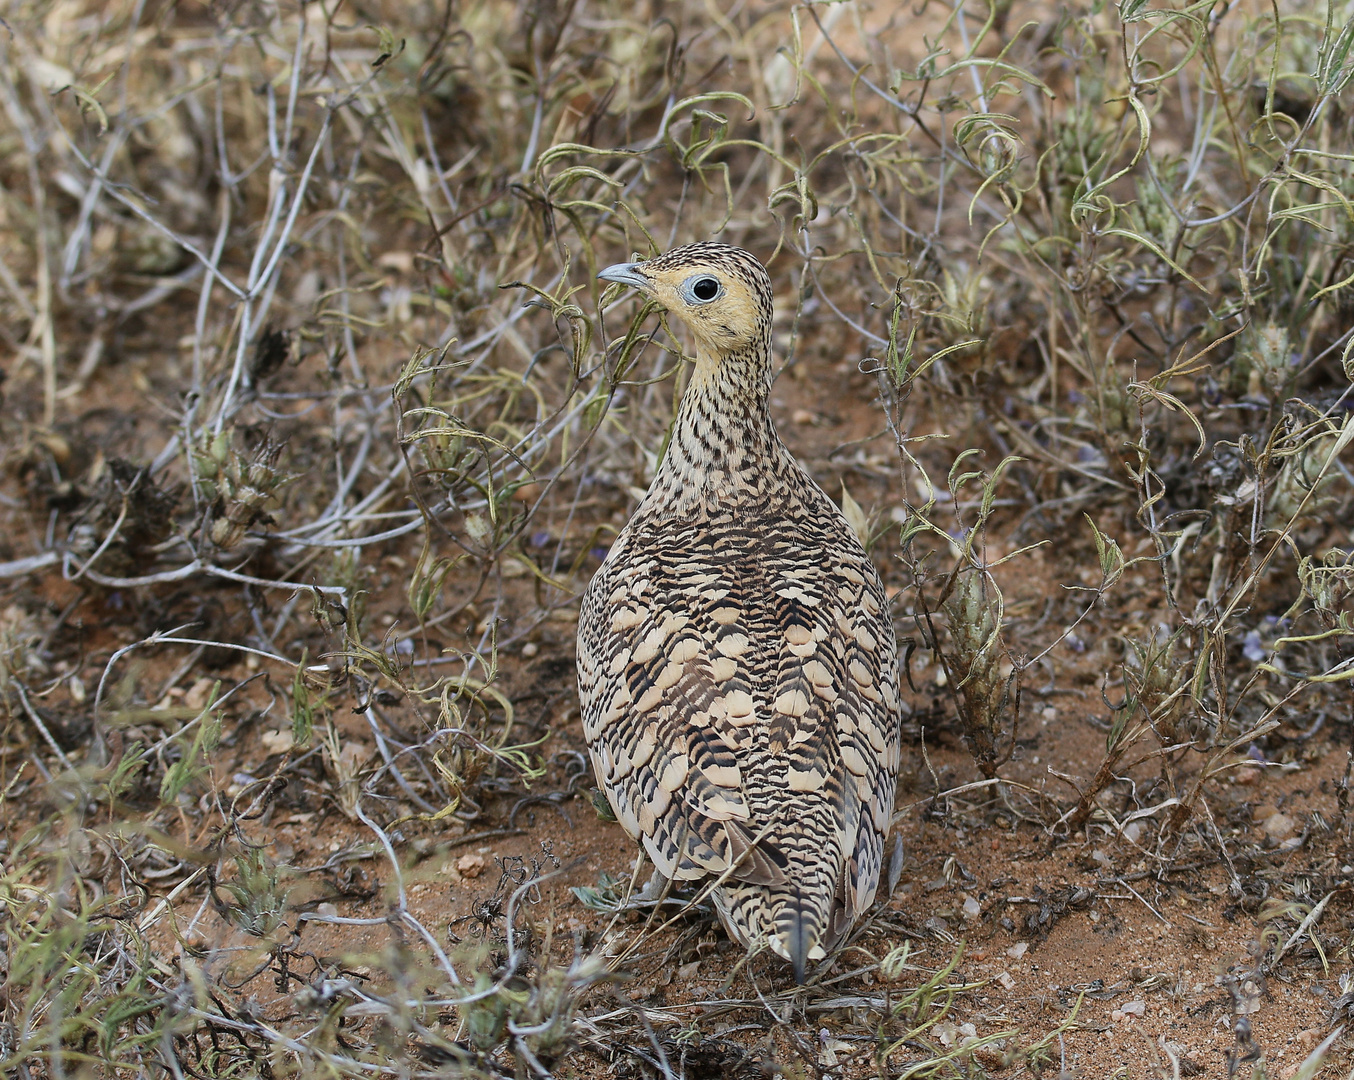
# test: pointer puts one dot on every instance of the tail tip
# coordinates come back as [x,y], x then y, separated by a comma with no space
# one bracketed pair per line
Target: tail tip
[797,944]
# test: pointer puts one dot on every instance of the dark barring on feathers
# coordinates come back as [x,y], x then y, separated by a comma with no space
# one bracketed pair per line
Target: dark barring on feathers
[736,660]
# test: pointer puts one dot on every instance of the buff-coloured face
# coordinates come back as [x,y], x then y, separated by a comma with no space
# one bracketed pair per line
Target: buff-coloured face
[716,304]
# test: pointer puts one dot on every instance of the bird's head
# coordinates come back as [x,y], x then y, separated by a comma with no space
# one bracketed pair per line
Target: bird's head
[722,293]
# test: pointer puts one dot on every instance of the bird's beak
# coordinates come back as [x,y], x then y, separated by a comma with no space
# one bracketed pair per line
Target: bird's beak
[626,274]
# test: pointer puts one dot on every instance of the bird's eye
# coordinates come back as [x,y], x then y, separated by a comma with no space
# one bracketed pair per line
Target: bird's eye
[703,289]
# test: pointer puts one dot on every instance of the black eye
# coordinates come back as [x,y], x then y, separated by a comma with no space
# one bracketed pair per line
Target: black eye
[706,288]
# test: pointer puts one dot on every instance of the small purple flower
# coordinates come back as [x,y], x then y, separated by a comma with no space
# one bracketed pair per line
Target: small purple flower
[1253,647]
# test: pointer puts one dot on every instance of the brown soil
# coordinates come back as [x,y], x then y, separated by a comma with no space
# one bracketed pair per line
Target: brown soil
[1142,955]
[1135,946]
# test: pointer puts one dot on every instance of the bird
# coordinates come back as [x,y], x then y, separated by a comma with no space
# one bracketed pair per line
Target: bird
[737,665]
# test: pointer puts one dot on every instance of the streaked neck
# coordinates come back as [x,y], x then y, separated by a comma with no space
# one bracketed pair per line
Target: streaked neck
[724,453]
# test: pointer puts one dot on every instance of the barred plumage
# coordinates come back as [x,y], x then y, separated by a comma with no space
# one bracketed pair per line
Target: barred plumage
[736,660]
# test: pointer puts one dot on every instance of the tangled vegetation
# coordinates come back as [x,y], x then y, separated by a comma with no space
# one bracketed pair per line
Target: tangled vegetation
[316,422]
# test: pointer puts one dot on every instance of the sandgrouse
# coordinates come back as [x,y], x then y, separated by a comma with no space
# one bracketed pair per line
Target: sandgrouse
[736,660]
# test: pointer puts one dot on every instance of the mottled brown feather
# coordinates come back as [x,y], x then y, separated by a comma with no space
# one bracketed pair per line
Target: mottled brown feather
[736,660]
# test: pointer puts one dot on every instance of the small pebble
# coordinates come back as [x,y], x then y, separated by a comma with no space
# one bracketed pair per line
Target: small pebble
[277,742]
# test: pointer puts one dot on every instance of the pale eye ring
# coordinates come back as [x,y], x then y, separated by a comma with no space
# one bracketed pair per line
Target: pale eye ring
[702,289]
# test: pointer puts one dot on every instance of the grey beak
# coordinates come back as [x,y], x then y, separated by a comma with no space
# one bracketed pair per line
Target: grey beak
[625,274]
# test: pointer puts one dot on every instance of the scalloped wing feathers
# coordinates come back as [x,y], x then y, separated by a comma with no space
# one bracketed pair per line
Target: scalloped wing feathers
[736,659]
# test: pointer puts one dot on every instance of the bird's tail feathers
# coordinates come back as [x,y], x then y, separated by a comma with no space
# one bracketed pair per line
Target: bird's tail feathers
[788,919]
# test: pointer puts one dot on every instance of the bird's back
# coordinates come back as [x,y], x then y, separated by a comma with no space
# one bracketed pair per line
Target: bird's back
[739,689]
